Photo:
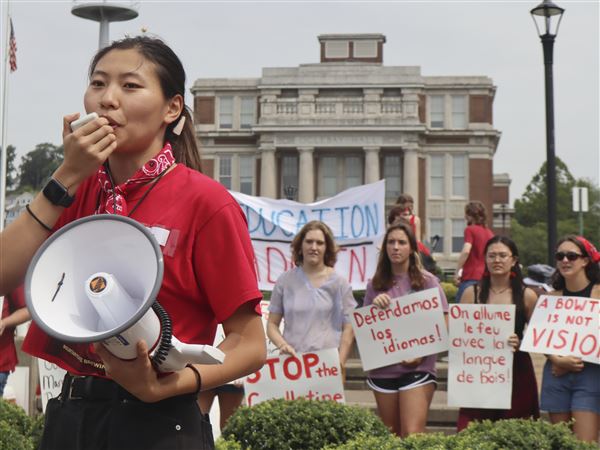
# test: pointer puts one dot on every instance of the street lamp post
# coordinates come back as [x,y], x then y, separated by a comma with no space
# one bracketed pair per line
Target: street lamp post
[547,27]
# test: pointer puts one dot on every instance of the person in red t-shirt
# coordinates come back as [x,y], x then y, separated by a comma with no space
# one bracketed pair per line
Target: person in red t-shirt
[471,262]
[13,313]
[139,158]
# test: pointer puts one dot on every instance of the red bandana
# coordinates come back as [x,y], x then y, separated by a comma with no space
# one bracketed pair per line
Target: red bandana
[148,172]
[590,249]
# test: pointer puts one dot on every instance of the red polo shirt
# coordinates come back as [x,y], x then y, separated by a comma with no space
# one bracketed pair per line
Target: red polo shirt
[208,261]
[8,353]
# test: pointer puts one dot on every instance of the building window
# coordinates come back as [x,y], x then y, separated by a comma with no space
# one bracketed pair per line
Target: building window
[247,112]
[436,231]
[459,111]
[289,177]
[392,170]
[247,175]
[437,111]
[336,49]
[459,176]
[365,49]
[436,175]
[225,171]
[225,112]
[337,173]
[458,228]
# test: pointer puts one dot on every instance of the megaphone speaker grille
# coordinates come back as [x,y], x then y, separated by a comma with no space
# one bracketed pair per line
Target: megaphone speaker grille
[56,281]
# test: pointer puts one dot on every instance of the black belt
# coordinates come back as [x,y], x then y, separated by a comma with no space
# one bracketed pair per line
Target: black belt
[93,388]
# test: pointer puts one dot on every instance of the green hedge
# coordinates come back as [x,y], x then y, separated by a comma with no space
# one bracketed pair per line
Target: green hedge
[18,431]
[450,290]
[298,424]
[513,434]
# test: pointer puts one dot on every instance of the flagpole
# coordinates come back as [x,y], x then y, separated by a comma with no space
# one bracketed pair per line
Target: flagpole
[3,149]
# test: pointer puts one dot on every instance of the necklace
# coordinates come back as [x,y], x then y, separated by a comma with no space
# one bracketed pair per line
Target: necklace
[499,291]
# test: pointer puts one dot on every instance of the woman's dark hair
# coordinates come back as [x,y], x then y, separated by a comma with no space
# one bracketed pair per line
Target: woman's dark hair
[394,214]
[403,199]
[384,278]
[592,270]
[331,247]
[475,212]
[171,75]
[516,277]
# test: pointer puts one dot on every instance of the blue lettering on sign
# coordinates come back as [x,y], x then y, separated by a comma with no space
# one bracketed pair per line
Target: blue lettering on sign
[357,213]
[342,234]
[354,221]
[320,211]
[302,220]
[278,223]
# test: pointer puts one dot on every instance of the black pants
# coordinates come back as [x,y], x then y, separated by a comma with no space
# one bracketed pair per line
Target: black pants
[124,423]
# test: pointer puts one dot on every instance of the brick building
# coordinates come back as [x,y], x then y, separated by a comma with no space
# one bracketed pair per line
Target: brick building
[311,131]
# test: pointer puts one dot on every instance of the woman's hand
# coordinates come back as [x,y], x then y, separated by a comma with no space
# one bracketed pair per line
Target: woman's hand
[514,342]
[412,362]
[287,349]
[85,149]
[382,301]
[562,365]
[137,376]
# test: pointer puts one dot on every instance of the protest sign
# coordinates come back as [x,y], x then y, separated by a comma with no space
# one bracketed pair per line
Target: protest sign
[312,375]
[355,216]
[412,326]
[51,380]
[562,325]
[480,359]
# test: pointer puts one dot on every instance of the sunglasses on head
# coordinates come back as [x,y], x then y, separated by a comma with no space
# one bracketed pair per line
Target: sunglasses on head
[571,256]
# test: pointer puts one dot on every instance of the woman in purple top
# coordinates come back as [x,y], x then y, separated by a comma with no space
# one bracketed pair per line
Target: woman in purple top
[315,301]
[403,391]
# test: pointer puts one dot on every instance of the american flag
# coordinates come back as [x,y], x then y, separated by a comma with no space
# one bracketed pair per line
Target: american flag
[12,51]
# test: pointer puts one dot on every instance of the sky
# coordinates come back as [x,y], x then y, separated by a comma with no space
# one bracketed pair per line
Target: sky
[237,39]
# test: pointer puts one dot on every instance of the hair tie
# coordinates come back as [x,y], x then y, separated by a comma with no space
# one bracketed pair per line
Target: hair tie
[593,254]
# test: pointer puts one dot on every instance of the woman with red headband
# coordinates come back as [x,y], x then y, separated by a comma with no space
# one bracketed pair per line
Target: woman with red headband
[570,386]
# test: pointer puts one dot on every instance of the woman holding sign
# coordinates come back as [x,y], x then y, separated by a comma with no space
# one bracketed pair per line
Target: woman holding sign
[502,284]
[403,391]
[315,301]
[570,386]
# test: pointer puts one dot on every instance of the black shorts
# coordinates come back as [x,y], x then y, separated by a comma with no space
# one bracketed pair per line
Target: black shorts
[403,383]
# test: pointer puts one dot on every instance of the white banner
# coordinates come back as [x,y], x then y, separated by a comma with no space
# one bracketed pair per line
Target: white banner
[51,380]
[565,326]
[480,359]
[412,326]
[356,216]
[312,375]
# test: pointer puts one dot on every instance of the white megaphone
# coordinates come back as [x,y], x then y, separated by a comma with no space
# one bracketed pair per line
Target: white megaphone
[96,280]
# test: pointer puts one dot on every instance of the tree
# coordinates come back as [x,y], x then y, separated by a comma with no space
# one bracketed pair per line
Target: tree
[11,154]
[529,226]
[37,165]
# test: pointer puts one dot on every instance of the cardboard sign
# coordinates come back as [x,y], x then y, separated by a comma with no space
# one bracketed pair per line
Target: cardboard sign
[565,326]
[51,381]
[355,216]
[312,375]
[412,326]
[480,358]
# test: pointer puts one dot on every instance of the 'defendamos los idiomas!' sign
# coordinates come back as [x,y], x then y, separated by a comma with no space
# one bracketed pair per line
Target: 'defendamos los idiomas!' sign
[411,327]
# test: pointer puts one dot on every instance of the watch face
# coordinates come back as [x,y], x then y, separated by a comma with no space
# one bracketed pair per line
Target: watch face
[57,194]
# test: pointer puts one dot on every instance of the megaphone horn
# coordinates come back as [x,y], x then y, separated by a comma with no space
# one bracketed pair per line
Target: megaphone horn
[96,280]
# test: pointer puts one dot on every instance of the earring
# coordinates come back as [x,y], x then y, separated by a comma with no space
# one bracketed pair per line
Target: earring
[179,127]
[486,273]
[513,274]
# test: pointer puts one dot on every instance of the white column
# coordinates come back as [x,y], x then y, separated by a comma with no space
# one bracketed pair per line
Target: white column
[306,191]
[372,173]
[411,175]
[267,171]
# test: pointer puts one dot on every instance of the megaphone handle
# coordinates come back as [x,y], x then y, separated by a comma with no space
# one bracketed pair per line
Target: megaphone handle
[166,328]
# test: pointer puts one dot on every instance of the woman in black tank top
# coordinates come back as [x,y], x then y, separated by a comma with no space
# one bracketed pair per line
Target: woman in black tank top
[502,283]
[571,386]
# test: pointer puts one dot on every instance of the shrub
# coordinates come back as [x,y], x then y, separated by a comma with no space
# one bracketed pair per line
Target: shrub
[364,441]
[299,424]
[521,434]
[17,430]
[450,290]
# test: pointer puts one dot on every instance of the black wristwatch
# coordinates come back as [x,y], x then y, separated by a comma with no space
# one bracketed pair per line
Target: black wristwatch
[57,194]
